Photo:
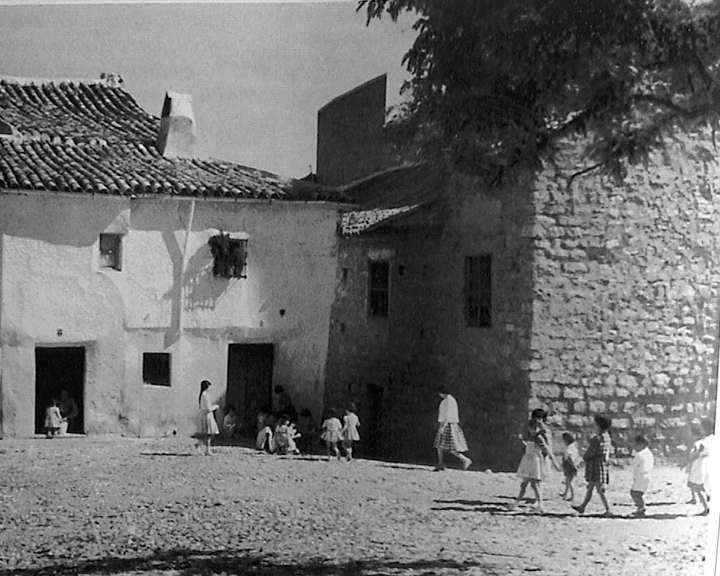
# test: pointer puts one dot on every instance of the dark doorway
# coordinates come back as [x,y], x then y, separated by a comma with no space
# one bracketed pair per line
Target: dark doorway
[249,380]
[374,417]
[58,369]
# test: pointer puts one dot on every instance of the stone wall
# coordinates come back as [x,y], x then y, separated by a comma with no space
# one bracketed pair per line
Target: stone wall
[626,293]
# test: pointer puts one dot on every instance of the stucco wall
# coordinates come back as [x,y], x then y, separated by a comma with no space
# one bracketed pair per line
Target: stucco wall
[626,293]
[51,281]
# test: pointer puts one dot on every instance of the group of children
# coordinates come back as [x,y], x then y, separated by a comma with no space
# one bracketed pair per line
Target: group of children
[281,436]
[538,451]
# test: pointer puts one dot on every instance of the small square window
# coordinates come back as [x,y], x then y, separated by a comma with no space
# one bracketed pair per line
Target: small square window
[379,289]
[156,368]
[478,291]
[110,245]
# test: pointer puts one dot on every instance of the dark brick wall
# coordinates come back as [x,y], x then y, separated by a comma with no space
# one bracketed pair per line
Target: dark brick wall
[350,142]
[425,344]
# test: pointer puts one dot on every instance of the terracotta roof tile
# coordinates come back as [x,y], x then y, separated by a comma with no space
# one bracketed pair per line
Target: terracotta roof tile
[92,137]
[391,197]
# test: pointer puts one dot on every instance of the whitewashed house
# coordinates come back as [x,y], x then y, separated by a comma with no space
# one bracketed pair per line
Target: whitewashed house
[130,270]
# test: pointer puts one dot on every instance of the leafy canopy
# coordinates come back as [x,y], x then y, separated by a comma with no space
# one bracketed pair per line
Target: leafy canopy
[496,83]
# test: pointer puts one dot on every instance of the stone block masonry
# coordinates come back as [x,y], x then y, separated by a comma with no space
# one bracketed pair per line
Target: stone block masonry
[626,277]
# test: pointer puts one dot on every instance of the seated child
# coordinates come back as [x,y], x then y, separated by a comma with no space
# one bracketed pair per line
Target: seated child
[281,437]
[231,423]
[265,440]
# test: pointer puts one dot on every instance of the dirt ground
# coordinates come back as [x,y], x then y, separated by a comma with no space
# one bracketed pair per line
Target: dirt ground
[156,507]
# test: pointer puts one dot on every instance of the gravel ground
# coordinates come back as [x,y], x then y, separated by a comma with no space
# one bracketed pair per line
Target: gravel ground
[91,506]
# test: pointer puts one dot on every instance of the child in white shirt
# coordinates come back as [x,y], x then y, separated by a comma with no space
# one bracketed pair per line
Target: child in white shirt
[570,464]
[642,466]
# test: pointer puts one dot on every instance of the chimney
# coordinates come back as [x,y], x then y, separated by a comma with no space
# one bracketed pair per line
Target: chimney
[176,137]
[350,143]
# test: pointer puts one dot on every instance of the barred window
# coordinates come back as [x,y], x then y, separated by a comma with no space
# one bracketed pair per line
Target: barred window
[478,291]
[379,289]
[229,256]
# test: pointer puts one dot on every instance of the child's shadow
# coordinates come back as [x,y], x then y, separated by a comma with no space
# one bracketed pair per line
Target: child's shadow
[664,516]
[495,508]
[471,506]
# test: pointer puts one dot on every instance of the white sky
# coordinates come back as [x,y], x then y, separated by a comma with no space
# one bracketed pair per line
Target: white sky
[257,72]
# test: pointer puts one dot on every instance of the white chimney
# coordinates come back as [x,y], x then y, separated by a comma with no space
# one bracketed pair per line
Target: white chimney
[177,127]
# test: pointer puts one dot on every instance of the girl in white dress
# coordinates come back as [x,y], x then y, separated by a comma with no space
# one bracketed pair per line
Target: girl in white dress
[331,434]
[699,468]
[207,409]
[533,466]
[350,429]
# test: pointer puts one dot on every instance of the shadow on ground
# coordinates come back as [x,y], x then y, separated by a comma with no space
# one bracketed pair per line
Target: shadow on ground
[192,562]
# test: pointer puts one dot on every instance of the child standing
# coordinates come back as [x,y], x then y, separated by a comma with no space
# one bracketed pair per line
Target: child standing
[53,418]
[533,466]
[207,410]
[350,429]
[570,463]
[450,437]
[699,469]
[331,434]
[597,460]
[282,436]
[642,465]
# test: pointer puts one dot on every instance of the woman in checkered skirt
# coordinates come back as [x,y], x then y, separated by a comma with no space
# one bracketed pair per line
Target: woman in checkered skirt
[450,437]
[597,463]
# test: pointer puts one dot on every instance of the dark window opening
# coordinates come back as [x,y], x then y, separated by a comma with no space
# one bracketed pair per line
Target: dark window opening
[379,294]
[156,368]
[229,256]
[478,291]
[110,251]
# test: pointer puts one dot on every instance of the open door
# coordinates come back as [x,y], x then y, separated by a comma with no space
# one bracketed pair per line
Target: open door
[249,380]
[60,372]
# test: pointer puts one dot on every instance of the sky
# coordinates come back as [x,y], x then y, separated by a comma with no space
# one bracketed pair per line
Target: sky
[257,72]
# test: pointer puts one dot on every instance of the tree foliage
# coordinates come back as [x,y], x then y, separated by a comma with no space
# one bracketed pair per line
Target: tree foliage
[496,83]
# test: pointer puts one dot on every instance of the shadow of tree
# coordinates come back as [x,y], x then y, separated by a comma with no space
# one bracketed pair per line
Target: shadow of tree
[183,562]
[202,290]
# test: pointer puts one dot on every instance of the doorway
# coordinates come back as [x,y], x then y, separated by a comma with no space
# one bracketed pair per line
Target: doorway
[58,369]
[375,395]
[249,380]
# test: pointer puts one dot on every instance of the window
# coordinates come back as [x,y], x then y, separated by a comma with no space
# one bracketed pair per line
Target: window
[229,256]
[379,288]
[110,251]
[478,291]
[156,368]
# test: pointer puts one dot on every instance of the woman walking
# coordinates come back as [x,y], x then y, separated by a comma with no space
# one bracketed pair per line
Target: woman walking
[450,437]
[207,409]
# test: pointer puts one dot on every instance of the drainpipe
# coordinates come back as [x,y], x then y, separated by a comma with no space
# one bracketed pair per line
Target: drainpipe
[182,266]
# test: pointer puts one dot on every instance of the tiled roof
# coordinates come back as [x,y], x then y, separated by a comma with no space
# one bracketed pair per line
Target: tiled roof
[92,137]
[393,197]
